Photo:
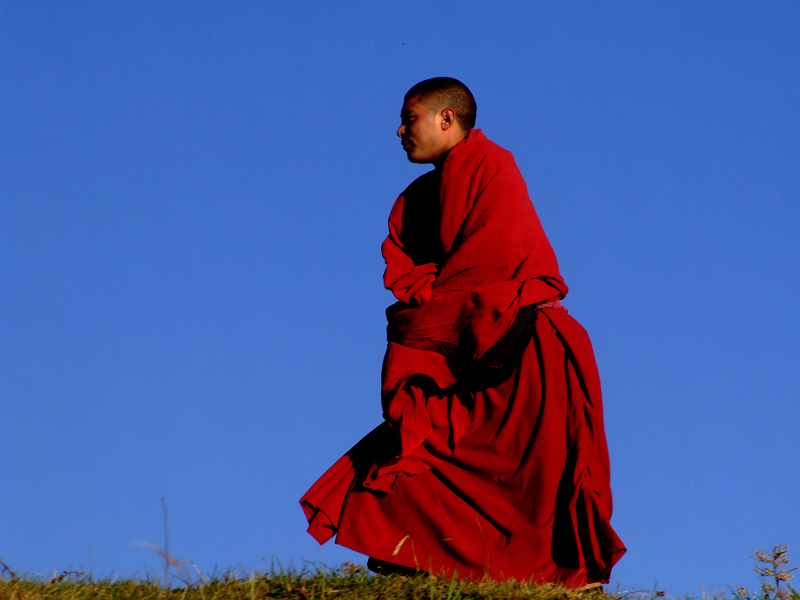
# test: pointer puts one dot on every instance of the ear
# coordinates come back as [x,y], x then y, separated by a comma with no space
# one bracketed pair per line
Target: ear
[447,118]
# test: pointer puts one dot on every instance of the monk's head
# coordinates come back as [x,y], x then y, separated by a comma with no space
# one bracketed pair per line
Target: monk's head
[437,114]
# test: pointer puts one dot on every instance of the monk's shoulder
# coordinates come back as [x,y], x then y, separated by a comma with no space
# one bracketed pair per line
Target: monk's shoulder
[488,158]
[495,151]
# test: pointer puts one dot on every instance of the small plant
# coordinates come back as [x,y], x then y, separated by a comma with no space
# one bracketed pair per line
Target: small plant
[774,575]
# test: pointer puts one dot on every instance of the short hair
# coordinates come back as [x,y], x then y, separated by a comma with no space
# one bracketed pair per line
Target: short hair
[445,92]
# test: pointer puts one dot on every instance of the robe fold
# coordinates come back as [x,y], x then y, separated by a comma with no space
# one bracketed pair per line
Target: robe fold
[492,460]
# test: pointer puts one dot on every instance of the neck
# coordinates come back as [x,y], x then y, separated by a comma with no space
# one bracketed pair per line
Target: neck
[457,139]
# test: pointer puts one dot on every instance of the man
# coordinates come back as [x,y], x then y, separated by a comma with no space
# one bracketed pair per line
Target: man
[493,459]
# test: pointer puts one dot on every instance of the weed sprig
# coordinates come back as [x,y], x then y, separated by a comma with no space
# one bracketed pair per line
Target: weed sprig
[774,574]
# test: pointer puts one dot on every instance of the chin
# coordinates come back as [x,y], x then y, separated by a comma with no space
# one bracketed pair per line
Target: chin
[417,159]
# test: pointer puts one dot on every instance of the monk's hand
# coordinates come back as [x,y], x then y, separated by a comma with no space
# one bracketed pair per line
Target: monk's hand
[416,285]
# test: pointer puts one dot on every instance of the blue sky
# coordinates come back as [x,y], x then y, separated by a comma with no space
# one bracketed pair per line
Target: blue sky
[192,200]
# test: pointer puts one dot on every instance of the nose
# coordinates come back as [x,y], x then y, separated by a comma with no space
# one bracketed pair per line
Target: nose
[401,130]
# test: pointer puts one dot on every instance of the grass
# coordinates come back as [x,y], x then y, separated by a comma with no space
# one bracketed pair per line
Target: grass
[350,582]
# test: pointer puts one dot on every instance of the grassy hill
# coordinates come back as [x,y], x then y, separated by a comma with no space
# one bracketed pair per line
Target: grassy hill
[349,582]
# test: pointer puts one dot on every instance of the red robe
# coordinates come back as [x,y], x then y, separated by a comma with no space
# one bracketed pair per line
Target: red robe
[493,458]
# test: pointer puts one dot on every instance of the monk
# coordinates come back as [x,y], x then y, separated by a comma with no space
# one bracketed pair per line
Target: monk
[492,460]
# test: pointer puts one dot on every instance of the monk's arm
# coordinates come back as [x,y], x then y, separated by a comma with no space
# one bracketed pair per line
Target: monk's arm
[409,283]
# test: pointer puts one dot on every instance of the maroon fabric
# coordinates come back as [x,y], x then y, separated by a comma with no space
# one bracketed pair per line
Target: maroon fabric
[506,478]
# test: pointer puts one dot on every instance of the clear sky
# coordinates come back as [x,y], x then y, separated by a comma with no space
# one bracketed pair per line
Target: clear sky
[192,200]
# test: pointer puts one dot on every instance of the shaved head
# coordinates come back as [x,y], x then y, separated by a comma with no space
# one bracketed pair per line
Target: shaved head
[445,92]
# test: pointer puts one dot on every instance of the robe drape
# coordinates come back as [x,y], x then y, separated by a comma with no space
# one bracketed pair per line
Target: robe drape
[492,459]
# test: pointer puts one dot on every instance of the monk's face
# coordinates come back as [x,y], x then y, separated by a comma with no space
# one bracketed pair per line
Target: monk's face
[421,132]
